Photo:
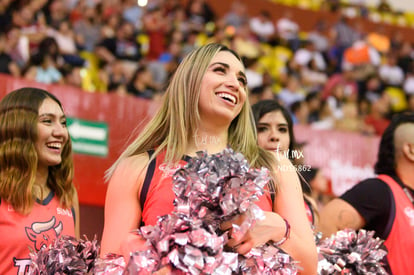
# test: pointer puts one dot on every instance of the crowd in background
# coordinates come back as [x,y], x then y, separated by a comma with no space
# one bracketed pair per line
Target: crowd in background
[337,76]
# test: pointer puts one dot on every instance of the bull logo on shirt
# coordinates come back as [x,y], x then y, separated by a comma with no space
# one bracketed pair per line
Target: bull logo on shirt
[44,233]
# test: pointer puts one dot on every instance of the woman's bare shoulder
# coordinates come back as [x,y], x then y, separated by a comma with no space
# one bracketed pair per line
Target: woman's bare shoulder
[139,160]
[132,169]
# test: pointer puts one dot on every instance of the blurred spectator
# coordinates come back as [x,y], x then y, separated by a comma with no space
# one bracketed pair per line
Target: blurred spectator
[132,13]
[32,29]
[307,53]
[326,119]
[237,16]
[179,21]
[397,40]
[123,48]
[141,84]
[377,118]
[109,25]
[7,64]
[260,93]
[199,13]
[164,67]
[312,77]
[359,7]
[346,79]
[351,121]
[372,88]
[364,108]
[300,112]
[17,47]
[72,75]
[254,77]
[319,37]
[88,29]
[106,8]
[56,14]
[117,76]
[337,99]
[408,85]
[65,38]
[292,92]
[288,30]
[222,36]
[77,8]
[362,57]
[311,66]
[43,69]
[190,43]
[390,73]
[405,56]
[245,43]
[155,27]
[5,15]
[262,26]
[50,46]
[313,101]
[343,35]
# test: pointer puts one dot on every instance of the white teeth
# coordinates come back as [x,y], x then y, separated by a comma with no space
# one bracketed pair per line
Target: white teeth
[55,145]
[228,96]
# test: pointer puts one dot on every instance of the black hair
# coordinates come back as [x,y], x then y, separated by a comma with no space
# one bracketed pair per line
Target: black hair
[311,96]
[295,106]
[306,176]
[386,153]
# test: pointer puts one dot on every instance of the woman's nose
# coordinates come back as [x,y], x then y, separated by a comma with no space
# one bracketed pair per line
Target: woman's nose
[274,139]
[273,136]
[59,130]
[233,82]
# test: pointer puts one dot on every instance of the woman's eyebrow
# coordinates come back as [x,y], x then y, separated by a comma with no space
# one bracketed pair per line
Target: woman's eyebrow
[51,115]
[227,67]
[268,124]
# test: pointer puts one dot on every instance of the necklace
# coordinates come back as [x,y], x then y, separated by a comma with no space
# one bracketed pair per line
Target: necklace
[409,195]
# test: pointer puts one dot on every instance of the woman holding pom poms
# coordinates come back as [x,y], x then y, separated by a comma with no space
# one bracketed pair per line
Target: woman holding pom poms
[38,201]
[205,109]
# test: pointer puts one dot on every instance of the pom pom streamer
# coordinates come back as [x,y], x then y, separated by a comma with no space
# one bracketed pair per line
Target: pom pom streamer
[66,255]
[351,252]
[209,190]
[111,264]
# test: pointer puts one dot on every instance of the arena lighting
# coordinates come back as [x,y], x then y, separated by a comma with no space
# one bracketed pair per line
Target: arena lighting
[142,3]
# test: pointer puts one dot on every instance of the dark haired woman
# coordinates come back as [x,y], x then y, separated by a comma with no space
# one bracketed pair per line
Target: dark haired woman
[38,201]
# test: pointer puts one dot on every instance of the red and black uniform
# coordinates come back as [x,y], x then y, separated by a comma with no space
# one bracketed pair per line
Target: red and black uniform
[21,234]
[388,211]
[157,196]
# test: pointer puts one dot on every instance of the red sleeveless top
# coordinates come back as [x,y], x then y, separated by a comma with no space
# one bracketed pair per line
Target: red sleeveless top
[160,196]
[400,241]
[20,234]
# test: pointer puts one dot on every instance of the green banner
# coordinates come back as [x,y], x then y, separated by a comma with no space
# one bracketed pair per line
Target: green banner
[88,137]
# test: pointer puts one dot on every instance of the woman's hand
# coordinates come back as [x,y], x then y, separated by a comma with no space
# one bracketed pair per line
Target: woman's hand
[271,228]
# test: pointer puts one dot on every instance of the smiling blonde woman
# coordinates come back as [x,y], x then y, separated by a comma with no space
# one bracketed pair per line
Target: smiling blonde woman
[206,100]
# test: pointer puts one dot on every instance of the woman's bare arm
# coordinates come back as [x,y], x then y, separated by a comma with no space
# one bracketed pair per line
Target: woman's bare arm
[122,208]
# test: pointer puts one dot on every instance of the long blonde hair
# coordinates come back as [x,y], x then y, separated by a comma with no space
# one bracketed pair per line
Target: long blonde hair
[18,157]
[178,117]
